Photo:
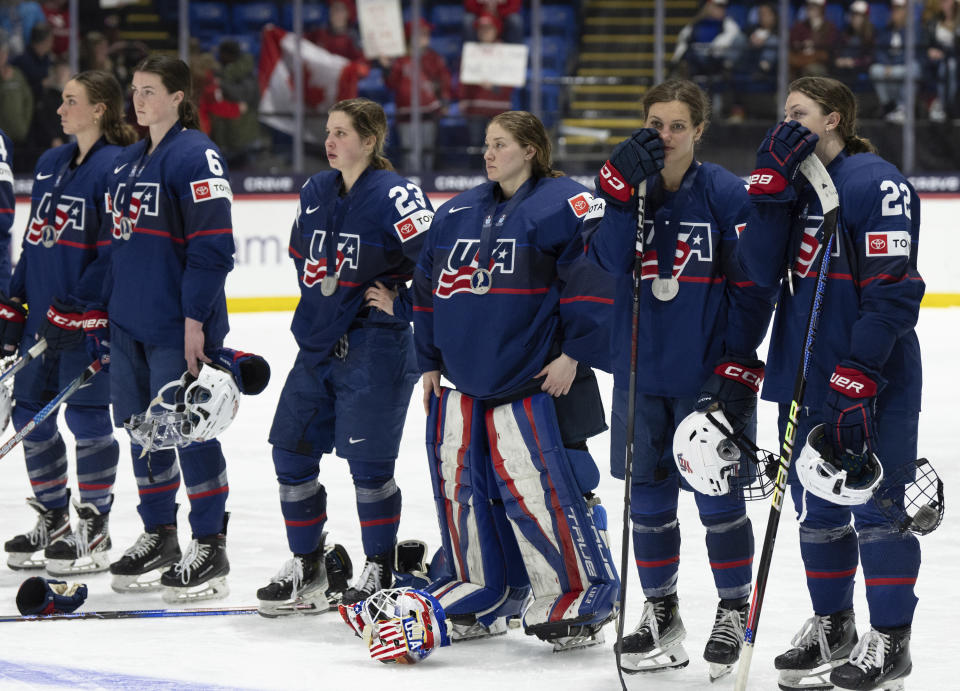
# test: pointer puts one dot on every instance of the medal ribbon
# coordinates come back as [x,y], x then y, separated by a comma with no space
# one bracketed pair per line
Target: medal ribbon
[137,170]
[335,217]
[487,235]
[665,238]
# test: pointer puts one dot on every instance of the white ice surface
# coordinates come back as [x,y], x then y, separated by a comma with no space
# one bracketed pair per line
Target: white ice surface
[320,652]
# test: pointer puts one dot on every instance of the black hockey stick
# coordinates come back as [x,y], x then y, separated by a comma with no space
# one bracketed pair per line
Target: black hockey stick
[631,413]
[134,614]
[817,176]
[44,413]
[24,359]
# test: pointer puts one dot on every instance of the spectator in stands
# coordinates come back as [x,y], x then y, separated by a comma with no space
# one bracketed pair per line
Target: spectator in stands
[480,102]
[763,43]
[889,70]
[95,53]
[45,130]
[207,93]
[237,137]
[57,16]
[435,95]
[854,53]
[340,37]
[941,40]
[17,19]
[16,99]
[507,11]
[35,61]
[812,40]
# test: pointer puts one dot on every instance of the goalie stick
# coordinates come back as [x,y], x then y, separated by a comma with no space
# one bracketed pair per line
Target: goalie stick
[816,174]
[134,614]
[631,423]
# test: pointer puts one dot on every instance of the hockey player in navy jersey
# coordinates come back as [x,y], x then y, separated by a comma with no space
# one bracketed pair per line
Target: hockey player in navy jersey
[863,385]
[358,231]
[509,311]
[171,247]
[7,203]
[56,276]
[700,323]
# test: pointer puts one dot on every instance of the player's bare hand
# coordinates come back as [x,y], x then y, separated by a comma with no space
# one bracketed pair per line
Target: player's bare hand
[193,340]
[381,297]
[431,385]
[559,374]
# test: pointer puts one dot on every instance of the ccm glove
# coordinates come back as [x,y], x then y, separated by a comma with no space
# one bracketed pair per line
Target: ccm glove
[733,387]
[13,317]
[850,408]
[779,158]
[632,161]
[96,327]
[63,328]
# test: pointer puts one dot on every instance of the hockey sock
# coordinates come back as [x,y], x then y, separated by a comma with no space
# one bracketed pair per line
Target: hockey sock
[46,457]
[378,504]
[891,562]
[158,479]
[205,476]
[656,535]
[730,550]
[303,500]
[97,453]
[830,559]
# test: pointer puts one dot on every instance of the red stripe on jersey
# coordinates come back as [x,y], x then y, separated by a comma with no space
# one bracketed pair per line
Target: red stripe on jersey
[209,492]
[214,231]
[162,488]
[660,562]
[719,565]
[422,309]
[79,245]
[311,521]
[520,291]
[891,581]
[586,298]
[380,521]
[294,252]
[83,485]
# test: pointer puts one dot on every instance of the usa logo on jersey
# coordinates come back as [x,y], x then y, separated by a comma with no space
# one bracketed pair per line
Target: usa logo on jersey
[348,256]
[144,202]
[463,260]
[692,240]
[70,213]
[810,245]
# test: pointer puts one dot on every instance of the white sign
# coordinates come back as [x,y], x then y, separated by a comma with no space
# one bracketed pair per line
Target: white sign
[499,64]
[381,28]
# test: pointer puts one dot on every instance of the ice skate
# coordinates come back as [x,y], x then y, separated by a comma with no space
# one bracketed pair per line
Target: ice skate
[821,644]
[299,587]
[85,550]
[52,525]
[579,637]
[656,645]
[376,575]
[881,660]
[726,639]
[138,570]
[200,574]
[496,622]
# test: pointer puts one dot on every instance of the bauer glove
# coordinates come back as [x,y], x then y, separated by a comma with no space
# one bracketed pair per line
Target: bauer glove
[850,409]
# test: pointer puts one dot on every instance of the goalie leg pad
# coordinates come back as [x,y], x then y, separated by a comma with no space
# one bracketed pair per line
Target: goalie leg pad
[571,570]
[475,579]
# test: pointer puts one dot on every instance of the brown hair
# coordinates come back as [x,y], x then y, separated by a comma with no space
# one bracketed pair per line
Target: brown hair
[527,129]
[368,120]
[103,87]
[686,92]
[175,75]
[835,97]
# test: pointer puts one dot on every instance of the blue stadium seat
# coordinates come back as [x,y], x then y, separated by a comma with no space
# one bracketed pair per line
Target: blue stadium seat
[208,19]
[314,15]
[554,52]
[373,87]
[879,14]
[249,43]
[559,19]
[447,19]
[739,14]
[836,13]
[252,16]
[450,48]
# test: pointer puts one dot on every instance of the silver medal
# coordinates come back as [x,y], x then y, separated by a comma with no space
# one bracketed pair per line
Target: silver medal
[126,228]
[328,285]
[480,282]
[665,289]
[48,236]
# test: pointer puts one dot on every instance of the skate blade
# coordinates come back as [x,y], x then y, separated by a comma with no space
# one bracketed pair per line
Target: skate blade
[214,589]
[585,640]
[91,563]
[817,679]
[894,685]
[659,660]
[140,583]
[301,606]
[470,632]
[26,561]
[719,671]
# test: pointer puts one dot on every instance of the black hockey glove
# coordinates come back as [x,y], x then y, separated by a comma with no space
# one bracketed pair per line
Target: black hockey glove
[850,406]
[13,317]
[63,327]
[251,372]
[733,387]
[631,162]
[48,596]
[778,161]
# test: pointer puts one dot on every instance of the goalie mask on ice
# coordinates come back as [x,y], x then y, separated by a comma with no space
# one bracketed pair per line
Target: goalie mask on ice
[399,625]
[823,475]
[715,462]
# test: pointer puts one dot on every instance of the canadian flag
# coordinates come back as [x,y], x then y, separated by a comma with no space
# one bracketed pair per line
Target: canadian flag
[327,78]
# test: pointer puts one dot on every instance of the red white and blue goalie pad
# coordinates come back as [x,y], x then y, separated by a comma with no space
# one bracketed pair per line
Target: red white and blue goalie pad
[570,567]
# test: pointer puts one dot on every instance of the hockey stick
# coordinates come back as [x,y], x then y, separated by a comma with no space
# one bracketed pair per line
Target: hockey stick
[24,359]
[812,169]
[44,413]
[631,423]
[134,614]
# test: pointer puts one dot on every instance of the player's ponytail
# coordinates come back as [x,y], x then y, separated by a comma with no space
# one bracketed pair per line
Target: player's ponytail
[103,87]
[175,75]
[527,129]
[835,97]
[369,120]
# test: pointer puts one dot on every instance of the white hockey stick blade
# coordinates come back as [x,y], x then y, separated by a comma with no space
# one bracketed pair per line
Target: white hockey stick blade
[816,174]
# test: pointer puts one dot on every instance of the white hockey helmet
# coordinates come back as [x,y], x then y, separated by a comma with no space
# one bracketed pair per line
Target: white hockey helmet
[821,475]
[706,456]
[399,625]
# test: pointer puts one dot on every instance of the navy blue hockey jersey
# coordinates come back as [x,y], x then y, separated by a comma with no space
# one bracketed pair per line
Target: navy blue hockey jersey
[873,294]
[717,309]
[60,244]
[7,207]
[377,230]
[542,291]
[173,262]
